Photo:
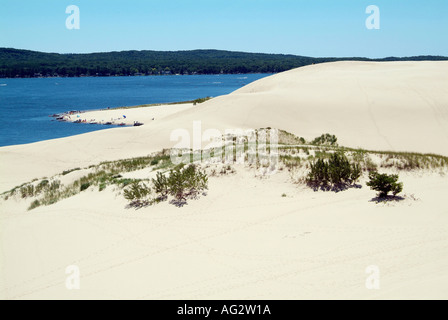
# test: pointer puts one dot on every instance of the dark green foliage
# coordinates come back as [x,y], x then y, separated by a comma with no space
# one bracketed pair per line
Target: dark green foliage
[137,194]
[326,139]
[24,63]
[84,186]
[356,172]
[200,100]
[335,173]
[384,184]
[64,173]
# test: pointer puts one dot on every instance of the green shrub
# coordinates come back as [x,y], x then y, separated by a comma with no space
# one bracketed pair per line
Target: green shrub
[161,186]
[84,186]
[334,173]
[66,172]
[102,186]
[188,183]
[137,194]
[326,139]
[200,100]
[181,183]
[384,184]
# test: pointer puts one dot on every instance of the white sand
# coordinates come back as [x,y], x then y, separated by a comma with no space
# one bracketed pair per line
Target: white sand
[400,106]
[128,116]
[244,241]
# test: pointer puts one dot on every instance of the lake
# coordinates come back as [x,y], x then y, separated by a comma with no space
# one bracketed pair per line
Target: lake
[26,104]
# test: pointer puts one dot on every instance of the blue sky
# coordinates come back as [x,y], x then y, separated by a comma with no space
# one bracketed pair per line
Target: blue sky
[319,28]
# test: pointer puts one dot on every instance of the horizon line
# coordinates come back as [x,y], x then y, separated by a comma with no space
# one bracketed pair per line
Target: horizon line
[233,51]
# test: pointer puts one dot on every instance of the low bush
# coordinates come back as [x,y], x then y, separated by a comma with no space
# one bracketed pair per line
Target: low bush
[66,172]
[384,184]
[181,183]
[335,173]
[184,183]
[84,186]
[161,186]
[138,194]
[326,139]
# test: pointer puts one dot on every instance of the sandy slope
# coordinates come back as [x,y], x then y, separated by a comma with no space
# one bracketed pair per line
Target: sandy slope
[244,240]
[386,106]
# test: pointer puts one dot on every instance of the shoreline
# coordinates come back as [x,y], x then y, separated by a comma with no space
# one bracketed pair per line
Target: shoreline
[120,120]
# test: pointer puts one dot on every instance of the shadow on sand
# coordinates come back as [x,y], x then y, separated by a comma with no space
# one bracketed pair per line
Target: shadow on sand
[386,199]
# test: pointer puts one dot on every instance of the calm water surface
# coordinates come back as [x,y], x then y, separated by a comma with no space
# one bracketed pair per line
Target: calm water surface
[25,104]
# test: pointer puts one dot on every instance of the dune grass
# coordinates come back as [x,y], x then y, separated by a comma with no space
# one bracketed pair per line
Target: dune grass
[294,153]
[49,191]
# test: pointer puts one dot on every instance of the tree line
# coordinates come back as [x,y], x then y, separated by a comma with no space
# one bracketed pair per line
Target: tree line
[25,63]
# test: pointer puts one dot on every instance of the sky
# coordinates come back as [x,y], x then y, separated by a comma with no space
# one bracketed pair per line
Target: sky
[317,28]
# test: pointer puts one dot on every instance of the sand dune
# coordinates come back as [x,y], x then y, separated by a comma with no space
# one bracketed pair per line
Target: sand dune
[244,240]
[400,106]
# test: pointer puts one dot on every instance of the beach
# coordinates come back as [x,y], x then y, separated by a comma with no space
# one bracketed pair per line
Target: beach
[251,236]
[125,116]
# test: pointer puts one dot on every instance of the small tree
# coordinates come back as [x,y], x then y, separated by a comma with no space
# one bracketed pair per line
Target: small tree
[187,182]
[384,184]
[161,185]
[137,194]
[326,139]
[334,173]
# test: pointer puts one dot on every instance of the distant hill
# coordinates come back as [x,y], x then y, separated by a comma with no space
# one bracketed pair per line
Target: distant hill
[25,63]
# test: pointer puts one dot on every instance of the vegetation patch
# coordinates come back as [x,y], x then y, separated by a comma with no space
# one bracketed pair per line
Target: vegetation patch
[336,173]
[64,173]
[385,184]
[182,183]
[326,140]
[322,165]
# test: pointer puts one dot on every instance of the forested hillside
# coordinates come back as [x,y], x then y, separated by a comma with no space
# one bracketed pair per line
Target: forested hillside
[24,63]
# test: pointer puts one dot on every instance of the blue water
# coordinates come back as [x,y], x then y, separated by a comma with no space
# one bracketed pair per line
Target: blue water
[26,104]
